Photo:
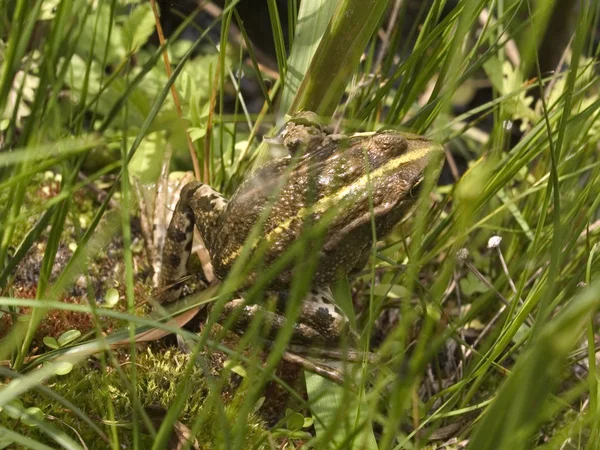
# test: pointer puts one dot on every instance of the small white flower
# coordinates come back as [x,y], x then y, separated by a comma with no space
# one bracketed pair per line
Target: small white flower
[462,256]
[494,241]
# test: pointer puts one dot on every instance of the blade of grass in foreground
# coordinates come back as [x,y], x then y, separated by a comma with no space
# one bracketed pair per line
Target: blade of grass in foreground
[338,55]
[510,421]
[313,18]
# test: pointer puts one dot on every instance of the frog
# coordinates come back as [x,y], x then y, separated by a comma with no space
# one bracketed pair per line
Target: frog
[354,186]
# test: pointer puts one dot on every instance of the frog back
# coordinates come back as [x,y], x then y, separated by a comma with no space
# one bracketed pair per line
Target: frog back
[340,185]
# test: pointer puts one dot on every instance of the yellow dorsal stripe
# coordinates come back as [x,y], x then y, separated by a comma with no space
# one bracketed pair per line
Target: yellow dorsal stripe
[328,202]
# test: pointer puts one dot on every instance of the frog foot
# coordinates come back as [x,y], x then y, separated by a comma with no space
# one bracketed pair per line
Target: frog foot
[320,322]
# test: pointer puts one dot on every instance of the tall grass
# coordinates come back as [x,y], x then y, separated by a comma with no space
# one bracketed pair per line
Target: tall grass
[491,281]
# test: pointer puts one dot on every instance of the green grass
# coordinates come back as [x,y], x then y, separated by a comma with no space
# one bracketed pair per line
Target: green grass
[493,346]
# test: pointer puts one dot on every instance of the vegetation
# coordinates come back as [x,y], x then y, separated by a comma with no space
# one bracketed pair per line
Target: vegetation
[477,316]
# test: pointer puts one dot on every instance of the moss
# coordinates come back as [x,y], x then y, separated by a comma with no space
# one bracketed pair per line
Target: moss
[98,390]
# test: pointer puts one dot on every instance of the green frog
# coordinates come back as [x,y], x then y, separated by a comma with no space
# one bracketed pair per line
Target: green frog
[356,186]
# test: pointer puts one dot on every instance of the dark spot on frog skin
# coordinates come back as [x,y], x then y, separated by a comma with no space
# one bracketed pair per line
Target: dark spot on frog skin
[174,260]
[329,169]
[178,235]
[282,299]
[324,319]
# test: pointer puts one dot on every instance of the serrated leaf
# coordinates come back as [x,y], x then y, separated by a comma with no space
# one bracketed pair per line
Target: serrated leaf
[114,49]
[493,70]
[196,133]
[472,285]
[326,397]
[138,27]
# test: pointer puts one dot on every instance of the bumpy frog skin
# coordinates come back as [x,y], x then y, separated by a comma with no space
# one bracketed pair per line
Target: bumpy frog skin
[362,177]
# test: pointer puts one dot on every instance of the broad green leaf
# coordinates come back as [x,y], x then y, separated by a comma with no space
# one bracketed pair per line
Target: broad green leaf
[294,421]
[111,298]
[313,18]
[68,336]
[338,55]
[62,367]
[50,342]
[32,412]
[138,27]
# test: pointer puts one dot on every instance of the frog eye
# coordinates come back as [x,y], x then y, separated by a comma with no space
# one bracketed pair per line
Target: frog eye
[390,142]
[308,119]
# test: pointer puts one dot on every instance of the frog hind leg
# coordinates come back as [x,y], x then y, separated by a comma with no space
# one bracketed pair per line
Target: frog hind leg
[319,312]
[198,205]
[320,323]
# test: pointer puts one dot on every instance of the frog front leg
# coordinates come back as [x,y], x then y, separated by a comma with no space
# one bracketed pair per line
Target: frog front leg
[320,321]
[201,206]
